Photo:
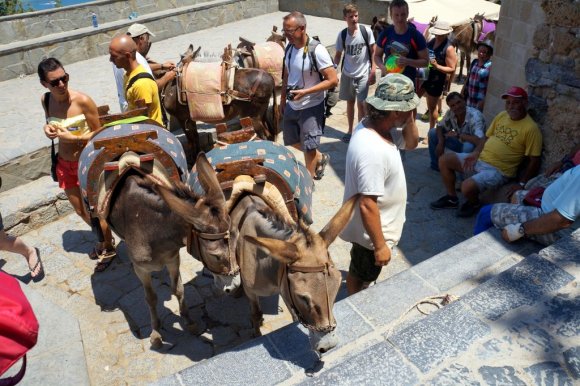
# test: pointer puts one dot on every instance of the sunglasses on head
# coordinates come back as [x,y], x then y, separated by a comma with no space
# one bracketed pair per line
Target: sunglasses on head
[56,82]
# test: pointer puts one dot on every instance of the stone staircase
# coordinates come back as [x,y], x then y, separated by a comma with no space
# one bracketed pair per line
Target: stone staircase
[516,322]
[67,33]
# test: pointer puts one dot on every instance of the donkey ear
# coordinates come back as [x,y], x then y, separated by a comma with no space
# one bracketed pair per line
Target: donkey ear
[183,207]
[339,221]
[280,250]
[196,53]
[208,177]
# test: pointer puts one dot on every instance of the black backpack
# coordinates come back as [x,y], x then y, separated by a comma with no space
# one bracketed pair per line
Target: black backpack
[365,35]
[141,75]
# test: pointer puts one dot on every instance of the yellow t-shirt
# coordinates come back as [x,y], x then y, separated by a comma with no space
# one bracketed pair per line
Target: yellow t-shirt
[76,125]
[510,141]
[145,89]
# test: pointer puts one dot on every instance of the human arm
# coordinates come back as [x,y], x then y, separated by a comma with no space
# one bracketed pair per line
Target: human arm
[330,80]
[373,74]
[546,223]
[471,159]
[90,111]
[166,66]
[378,59]
[410,133]
[422,61]
[531,170]
[556,166]
[337,56]
[166,78]
[371,220]
[450,61]
[49,130]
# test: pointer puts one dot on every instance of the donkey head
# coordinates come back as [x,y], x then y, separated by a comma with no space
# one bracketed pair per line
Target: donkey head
[311,281]
[209,220]
[277,37]
[190,54]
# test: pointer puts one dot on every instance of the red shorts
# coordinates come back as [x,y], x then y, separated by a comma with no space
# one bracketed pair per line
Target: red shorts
[67,174]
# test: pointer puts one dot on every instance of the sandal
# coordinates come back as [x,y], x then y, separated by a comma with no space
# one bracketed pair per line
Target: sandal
[96,252]
[40,275]
[346,138]
[319,172]
[106,257]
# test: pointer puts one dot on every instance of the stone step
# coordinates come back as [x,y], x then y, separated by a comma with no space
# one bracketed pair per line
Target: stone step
[381,326]
[20,57]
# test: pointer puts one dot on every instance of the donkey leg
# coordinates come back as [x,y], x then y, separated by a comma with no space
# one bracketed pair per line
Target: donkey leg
[179,292]
[257,316]
[151,298]
[190,130]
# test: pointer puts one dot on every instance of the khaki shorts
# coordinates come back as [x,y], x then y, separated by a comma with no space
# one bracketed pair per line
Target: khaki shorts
[484,175]
[354,88]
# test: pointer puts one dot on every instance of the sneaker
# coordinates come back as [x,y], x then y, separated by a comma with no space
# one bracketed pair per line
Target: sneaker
[439,118]
[445,202]
[425,117]
[468,209]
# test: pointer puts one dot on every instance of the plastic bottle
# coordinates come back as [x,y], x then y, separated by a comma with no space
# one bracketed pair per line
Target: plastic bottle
[133,15]
[95,21]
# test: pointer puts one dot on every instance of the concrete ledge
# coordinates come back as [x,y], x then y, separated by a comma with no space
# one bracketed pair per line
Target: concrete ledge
[21,57]
[30,206]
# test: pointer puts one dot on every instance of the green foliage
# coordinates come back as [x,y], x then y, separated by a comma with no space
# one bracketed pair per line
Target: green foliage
[11,7]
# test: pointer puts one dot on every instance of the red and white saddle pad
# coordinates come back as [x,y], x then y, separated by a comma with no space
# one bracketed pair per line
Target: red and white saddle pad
[203,83]
[269,57]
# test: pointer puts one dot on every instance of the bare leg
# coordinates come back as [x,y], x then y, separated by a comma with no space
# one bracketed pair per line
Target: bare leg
[448,165]
[75,199]
[433,112]
[311,159]
[350,114]
[361,109]
[354,284]
[470,190]
[16,245]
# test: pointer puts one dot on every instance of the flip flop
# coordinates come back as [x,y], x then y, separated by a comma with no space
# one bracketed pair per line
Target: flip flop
[319,172]
[40,275]
[105,259]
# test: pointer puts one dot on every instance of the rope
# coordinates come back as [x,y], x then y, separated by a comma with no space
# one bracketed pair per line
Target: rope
[444,300]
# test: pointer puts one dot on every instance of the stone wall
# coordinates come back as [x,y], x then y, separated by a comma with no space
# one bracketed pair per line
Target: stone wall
[333,8]
[80,43]
[537,47]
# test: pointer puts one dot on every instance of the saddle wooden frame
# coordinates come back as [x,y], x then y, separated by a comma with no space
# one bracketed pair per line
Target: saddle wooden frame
[228,171]
[112,148]
[141,110]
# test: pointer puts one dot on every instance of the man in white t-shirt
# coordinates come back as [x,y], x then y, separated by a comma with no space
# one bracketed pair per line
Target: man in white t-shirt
[375,171]
[358,69]
[304,86]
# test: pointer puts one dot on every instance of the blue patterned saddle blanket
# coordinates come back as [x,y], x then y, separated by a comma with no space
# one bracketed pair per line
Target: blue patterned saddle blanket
[98,173]
[277,159]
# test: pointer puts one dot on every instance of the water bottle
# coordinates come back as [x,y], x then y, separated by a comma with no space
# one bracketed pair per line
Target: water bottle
[133,15]
[95,21]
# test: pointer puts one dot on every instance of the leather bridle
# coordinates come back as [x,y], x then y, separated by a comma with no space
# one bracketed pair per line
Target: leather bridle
[194,247]
[325,270]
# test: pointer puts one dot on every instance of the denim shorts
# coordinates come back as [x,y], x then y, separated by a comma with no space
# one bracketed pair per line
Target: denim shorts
[484,175]
[303,126]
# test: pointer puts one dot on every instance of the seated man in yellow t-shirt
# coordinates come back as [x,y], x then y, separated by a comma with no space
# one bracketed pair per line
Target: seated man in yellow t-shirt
[512,136]
[123,51]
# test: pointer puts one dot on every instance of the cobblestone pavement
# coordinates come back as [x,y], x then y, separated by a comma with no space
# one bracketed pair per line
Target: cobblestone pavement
[111,309]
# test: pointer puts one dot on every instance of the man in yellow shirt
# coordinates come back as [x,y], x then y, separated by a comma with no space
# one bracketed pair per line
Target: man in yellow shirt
[512,136]
[138,83]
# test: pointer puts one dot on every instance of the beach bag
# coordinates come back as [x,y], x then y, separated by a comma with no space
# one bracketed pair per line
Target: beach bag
[18,328]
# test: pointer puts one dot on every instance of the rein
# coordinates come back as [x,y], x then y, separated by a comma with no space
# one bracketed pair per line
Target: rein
[324,269]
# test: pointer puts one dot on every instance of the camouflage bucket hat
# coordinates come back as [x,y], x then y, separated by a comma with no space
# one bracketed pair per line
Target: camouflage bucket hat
[395,92]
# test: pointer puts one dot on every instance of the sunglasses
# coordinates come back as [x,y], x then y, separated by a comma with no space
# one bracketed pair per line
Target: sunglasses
[56,82]
[290,31]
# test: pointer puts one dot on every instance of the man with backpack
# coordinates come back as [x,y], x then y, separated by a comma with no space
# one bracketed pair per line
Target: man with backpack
[358,69]
[403,41]
[138,83]
[308,72]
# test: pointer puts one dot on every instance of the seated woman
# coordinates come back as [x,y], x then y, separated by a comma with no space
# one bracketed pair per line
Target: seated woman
[72,117]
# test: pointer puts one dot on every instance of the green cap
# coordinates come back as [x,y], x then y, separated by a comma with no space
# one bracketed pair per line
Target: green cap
[395,92]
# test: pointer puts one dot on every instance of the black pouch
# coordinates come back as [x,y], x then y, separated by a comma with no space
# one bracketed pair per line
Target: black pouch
[54,160]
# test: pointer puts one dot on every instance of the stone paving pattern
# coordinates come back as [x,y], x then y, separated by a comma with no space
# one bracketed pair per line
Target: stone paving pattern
[104,315]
